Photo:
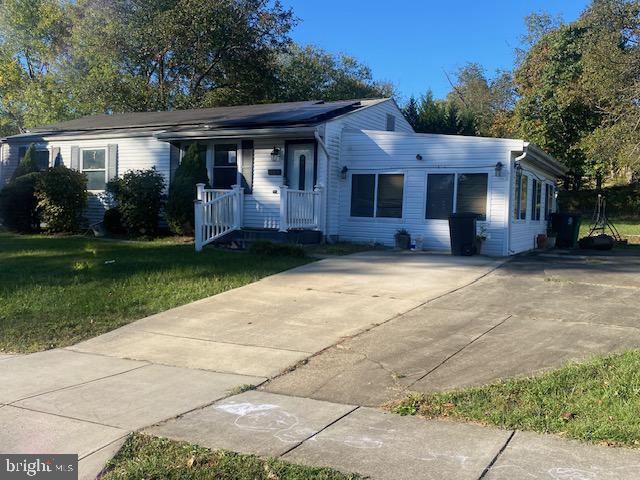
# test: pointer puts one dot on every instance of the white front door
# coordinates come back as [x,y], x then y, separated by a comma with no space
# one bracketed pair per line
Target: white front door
[300,165]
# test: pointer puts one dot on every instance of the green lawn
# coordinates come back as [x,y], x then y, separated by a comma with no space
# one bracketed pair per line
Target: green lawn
[56,291]
[596,401]
[625,226]
[151,458]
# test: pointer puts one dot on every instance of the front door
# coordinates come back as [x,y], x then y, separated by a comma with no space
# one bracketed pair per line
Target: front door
[300,166]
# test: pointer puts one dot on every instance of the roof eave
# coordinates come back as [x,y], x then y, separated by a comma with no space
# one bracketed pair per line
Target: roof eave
[547,161]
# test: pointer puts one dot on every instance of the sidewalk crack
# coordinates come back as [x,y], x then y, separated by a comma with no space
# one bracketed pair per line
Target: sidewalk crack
[495,458]
[319,431]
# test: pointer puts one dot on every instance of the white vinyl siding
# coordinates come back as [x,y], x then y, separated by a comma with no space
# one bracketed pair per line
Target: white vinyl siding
[523,231]
[382,152]
[134,153]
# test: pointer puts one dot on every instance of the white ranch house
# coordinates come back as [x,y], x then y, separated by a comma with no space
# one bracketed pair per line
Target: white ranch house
[348,170]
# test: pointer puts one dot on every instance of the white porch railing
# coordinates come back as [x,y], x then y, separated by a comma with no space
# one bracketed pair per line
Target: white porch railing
[217,212]
[300,209]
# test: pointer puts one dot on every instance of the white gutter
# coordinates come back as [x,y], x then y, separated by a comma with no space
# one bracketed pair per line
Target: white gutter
[282,132]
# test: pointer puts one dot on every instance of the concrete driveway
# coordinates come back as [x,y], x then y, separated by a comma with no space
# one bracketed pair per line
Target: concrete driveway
[532,313]
[87,398]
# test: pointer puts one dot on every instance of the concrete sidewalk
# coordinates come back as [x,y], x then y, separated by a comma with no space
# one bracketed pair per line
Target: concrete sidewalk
[387,446]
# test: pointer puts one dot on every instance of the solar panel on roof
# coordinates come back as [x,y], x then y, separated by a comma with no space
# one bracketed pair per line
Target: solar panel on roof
[250,115]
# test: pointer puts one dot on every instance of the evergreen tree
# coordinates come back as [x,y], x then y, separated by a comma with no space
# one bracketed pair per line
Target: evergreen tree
[410,112]
[182,191]
[27,163]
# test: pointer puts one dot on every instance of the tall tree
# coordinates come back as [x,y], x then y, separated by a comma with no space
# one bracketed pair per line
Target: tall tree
[305,73]
[33,37]
[488,100]
[438,116]
[578,87]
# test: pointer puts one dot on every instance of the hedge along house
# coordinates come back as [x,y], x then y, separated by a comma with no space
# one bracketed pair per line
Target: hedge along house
[347,170]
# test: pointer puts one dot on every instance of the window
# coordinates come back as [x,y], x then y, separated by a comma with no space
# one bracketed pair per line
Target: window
[225,166]
[362,195]
[472,194]
[549,196]
[520,197]
[390,192]
[94,167]
[536,199]
[391,123]
[440,195]
[377,195]
[42,159]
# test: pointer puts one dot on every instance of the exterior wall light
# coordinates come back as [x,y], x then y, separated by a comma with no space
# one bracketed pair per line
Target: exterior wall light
[499,167]
[275,154]
[343,172]
[418,157]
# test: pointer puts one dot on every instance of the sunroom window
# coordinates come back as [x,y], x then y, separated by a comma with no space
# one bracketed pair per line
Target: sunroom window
[472,194]
[469,190]
[536,200]
[377,195]
[94,167]
[520,196]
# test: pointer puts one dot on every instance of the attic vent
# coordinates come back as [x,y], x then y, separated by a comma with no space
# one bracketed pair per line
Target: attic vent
[391,123]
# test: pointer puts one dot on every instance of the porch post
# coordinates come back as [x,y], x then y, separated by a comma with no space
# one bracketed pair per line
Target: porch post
[284,226]
[197,230]
[200,191]
[239,199]
[317,206]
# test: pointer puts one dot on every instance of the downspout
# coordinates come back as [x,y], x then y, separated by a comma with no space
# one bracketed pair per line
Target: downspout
[325,195]
[321,143]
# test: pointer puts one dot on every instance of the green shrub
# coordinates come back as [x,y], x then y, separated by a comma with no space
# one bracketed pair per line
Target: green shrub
[182,192]
[113,221]
[27,163]
[264,247]
[139,197]
[622,201]
[18,204]
[62,198]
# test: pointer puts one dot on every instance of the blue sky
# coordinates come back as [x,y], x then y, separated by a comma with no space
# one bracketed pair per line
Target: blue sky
[411,42]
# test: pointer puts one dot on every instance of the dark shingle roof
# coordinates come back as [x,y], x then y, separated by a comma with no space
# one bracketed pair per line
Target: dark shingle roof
[274,114]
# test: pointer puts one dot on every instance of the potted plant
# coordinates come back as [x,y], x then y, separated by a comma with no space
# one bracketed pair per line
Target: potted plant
[403,239]
[481,236]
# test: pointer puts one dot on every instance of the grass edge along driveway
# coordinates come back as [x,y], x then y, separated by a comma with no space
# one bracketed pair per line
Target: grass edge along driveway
[596,401]
[57,291]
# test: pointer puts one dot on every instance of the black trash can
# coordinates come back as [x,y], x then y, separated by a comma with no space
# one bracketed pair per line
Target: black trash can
[567,228]
[462,231]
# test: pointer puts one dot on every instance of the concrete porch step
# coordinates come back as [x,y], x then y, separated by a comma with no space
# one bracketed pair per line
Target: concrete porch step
[243,238]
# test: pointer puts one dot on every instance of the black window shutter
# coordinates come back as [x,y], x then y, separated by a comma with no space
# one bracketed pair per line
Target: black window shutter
[174,160]
[22,151]
[247,166]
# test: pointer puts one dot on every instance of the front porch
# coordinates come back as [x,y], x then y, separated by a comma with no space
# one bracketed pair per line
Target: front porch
[219,216]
